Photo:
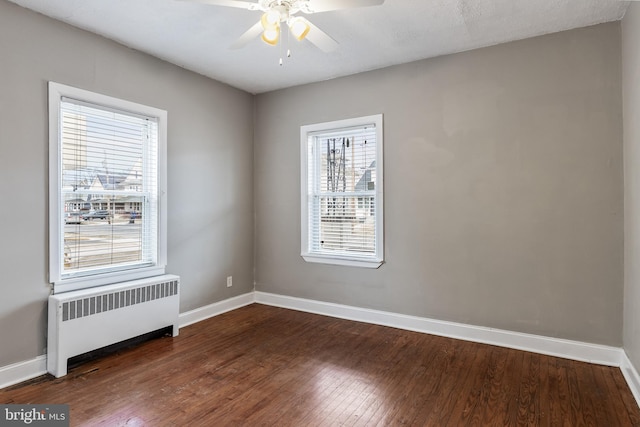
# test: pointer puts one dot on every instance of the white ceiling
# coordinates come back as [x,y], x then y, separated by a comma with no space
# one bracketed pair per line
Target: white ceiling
[197,36]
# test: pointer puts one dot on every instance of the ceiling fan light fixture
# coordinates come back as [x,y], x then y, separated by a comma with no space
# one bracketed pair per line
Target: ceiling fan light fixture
[271,36]
[299,27]
[270,19]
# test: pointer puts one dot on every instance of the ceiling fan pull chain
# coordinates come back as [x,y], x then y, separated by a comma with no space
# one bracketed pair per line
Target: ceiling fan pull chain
[288,44]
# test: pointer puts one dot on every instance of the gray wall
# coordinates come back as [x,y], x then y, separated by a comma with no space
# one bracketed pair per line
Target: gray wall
[503,187]
[503,173]
[631,97]
[210,151]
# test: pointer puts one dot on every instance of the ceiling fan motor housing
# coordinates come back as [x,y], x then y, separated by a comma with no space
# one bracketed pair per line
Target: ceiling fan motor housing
[285,7]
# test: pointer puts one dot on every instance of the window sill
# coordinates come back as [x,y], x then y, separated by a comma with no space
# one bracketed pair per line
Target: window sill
[347,262]
[82,282]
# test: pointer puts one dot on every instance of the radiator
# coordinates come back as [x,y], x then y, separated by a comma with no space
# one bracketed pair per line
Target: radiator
[86,320]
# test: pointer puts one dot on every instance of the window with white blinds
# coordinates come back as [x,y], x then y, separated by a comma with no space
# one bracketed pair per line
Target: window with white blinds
[342,208]
[107,175]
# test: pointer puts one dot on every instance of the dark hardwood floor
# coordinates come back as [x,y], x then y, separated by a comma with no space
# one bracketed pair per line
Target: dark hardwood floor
[262,365]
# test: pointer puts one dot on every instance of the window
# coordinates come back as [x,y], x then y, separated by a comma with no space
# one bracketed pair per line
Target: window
[107,181]
[342,207]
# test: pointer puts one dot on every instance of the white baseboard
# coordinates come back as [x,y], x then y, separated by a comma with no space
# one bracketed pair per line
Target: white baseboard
[22,371]
[575,350]
[203,313]
[567,349]
[585,352]
[631,375]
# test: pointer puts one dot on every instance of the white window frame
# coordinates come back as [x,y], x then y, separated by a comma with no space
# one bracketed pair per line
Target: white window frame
[57,92]
[355,260]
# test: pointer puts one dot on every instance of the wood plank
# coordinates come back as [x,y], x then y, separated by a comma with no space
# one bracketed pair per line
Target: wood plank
[262,365]
[558,397]
[543,392]
[527,410]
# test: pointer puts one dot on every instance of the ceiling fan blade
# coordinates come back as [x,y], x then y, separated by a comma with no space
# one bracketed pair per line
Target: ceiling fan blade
[314,6]
[321,39]
[229,3]
[249,35]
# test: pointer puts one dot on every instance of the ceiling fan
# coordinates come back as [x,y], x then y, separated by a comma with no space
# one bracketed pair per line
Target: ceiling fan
[277,13]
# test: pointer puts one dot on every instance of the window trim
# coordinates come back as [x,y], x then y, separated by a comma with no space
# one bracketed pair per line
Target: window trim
[341,259]
[57,92]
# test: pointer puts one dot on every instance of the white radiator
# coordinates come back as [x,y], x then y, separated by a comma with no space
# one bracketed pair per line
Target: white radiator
[82,321]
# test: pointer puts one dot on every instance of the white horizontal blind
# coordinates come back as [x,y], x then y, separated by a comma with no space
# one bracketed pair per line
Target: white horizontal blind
[342,188]
[108,189]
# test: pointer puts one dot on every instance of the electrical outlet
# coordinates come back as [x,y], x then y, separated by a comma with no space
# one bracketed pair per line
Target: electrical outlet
[229,281]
